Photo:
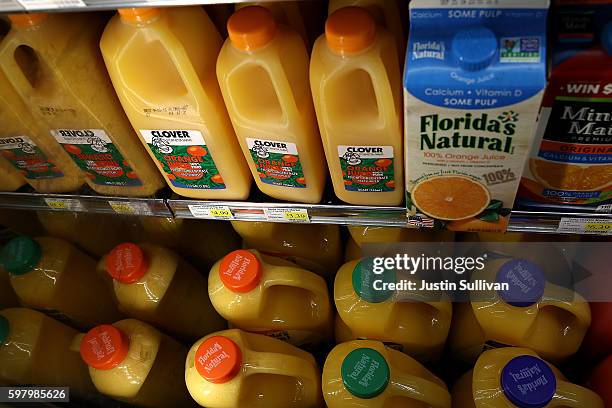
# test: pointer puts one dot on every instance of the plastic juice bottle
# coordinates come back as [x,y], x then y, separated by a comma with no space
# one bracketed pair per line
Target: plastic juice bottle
[132,361]
[233,368]
[365,373]
[315,247]
[356,84]
[386,14]
[51,275]
[269,295]
[474,79]
[570,162]
[416,328]
[55,66]
[175,104]
[352,251]
[518,377]
[8,297]
[35,349]
[284,12]
[600,380]
[530,312]
[263,73]
[154,285]
[11,179]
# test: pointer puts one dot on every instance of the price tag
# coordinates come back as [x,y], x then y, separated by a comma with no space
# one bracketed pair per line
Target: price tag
[66,204]
[299,215]
[211,212]
[597,226]
[130,208]
[31,5]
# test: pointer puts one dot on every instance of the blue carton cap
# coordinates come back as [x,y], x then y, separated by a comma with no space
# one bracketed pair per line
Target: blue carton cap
[525,279]
[528,382]
[474,48]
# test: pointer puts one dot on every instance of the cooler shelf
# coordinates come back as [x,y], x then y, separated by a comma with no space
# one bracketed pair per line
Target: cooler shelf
[12,6]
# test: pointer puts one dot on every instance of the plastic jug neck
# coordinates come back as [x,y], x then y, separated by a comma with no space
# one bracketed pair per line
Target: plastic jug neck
[251,28]
[361,363]
[350,30]
[528,382]
[127,263]
[240,271]
[20,255]
[138,15]
[26,20]
[104,347]
[218,359]
[4,329]
[364,277]
[525,280]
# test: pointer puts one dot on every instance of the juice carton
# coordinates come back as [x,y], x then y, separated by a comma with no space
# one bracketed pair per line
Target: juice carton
[518,377]
[473,83]
[571,160]
[366,374]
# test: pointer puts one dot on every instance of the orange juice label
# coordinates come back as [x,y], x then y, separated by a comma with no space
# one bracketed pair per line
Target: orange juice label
[367,168]
[277,162]
[22,152]
[94,152]
[185,158]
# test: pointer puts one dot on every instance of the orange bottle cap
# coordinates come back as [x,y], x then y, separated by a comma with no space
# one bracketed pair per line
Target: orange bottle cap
[218,359]
[27,19]
[104,347]
[350,30]
[240,271]
[138,15]
[251,28]
[127,263]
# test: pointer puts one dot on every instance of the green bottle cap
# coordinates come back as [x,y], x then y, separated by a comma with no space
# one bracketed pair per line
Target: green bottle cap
[364,280]
[4,329]
[365,373]
[20,255]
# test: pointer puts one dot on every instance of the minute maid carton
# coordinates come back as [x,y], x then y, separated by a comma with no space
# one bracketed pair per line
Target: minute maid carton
[474,79]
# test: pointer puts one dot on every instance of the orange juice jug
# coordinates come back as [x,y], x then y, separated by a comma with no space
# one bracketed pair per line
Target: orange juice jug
[366,374]
[263,73]
[132,361]
[175,104]
[386,13]
[284,12]
[233,368]
[54,63]
[8,297]
[51,275]
[269,295]
[523,310]
[416,328]
[154,285]
[356,88]
[10,179]
[35,349]
[315,247]
[518,377]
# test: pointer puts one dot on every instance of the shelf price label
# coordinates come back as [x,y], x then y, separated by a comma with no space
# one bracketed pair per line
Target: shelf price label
[211,212]
[130,208]
[51,4]
[599,226]
[65,204]
[277,214]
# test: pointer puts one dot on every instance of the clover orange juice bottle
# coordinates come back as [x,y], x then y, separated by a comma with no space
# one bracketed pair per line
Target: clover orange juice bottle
[270,295]
[518,377]
[365,312]
[263,73]
[355,81]
[474,80]
[366,374]
[314,247]
[155,285]
[286,13]
[132,361]
[519,308]
[233,368]
[55,65]
[51,275]
[175,104]
[35,350]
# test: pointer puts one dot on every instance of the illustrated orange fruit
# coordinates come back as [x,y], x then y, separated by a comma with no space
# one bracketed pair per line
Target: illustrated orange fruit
[186,171]
[132,175]
[217,179]
[301,180]
[572,177]
[288,158]
[262,175]
[450,198]
[72,149]
[383,162]
[390,184]
[197,151]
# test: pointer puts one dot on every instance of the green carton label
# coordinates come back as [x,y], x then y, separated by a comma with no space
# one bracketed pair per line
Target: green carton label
[367,169]
[23,153]
[277,162]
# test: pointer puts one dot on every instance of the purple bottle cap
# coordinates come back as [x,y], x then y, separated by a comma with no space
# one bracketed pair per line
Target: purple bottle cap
[525,280]
[528,382]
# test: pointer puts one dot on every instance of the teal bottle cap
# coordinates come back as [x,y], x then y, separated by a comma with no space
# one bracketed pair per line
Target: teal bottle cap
[20,255]
[368,284]
[365,373]
[4,329]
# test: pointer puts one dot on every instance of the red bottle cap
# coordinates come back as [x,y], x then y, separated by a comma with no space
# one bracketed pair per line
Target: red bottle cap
[127,263]
[240,271]
[104,347]
[218,359]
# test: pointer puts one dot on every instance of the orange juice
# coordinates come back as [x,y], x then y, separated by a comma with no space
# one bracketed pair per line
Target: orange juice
[51,275]
[315,247]
[518,377]
[366,374]
[355,81]
[269,295]
[55,66]
[175,104]
[549,319]
[154,285]
[8,298]
[263,73]
[35,349]
[133,362]
[286,13]
[233,368]
[365,313]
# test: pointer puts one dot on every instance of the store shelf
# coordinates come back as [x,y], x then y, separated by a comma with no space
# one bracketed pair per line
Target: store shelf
[11,6]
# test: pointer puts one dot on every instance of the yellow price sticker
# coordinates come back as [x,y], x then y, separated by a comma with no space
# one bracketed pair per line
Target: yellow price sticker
[208,211]
[122,207]
[221,213]
[598,226]
[66,204]
[278,214]
[296,216]
[58,205]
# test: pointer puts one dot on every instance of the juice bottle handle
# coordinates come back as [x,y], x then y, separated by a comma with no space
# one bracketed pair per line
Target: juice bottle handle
[296,277]
[554,295]
[18,78]
[383,92]
[574,396]
[282,88]
[274,364]
[420,389]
